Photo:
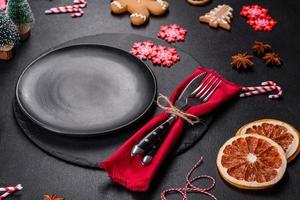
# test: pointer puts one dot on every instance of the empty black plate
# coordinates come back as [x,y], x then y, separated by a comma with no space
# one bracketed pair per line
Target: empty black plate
[86,89]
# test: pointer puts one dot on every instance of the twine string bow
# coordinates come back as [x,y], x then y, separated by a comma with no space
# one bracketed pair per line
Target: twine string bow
[170,108]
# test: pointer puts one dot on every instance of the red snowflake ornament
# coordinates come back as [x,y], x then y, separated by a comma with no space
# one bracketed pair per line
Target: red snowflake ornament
[258,17]
[172,33]
[165,56]
[262,24]
[254,11]
[142,50]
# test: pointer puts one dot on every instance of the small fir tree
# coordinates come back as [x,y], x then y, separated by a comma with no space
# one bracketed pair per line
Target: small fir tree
[8,37]
[20,13]
[8,32]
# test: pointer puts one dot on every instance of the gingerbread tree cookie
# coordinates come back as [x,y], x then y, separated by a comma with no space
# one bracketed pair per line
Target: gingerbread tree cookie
[218,17]
[140,10]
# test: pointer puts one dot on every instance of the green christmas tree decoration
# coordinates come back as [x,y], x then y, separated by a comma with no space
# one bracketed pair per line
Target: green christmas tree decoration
[20,13]
[8,31]
[9,36]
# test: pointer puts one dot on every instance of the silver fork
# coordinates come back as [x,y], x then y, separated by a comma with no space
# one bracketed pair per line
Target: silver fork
[200,95]
[151,142]
[204,91]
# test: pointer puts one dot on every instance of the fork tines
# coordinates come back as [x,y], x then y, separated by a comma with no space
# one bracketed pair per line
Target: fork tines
[207,87]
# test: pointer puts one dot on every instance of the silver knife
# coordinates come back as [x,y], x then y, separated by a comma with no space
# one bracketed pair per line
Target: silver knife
[160,131]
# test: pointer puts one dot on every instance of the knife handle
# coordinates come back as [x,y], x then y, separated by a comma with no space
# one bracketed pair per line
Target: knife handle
[151,138]
[148,157]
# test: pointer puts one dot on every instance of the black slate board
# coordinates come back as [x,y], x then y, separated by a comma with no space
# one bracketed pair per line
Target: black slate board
[88,152]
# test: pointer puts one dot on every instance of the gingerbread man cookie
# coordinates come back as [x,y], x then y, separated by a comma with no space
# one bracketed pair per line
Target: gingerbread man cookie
[140,10]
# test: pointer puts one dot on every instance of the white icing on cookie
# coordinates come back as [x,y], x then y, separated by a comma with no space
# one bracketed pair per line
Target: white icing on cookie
[118,4]
[162,4]
[138,15]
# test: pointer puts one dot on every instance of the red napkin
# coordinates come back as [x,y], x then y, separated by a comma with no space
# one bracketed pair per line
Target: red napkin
[2,4]
[128,171]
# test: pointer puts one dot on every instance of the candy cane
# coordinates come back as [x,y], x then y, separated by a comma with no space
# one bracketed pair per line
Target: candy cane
[75,9]
[9,190]
[80,3]
[63,9]
[77,14]
[278,88]
[265,87]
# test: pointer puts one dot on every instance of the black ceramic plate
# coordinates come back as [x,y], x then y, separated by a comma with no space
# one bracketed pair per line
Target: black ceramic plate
[86,90]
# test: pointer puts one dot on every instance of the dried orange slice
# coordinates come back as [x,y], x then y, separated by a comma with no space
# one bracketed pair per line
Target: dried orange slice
[251,161]
[282,133]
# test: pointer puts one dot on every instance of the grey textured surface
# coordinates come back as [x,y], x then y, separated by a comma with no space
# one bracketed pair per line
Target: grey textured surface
[39,173]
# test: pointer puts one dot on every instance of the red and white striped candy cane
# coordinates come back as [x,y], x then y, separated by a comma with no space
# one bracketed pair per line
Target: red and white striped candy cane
[80,3]
[279,90]
[63,9]
[75,9]
[265,87]
[9,190]
[77,14]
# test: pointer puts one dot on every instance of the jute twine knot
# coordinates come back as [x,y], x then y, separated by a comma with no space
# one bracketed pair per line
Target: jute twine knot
[190,118]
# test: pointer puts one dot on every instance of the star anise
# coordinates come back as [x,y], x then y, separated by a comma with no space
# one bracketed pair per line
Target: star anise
[272,59]
[242,61]
[52,197]
[260,48]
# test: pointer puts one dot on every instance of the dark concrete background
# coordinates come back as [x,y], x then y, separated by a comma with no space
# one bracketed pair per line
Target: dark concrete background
[22,162]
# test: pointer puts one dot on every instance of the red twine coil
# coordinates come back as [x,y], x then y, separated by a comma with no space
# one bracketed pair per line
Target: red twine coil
[265,87]
[189,187]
